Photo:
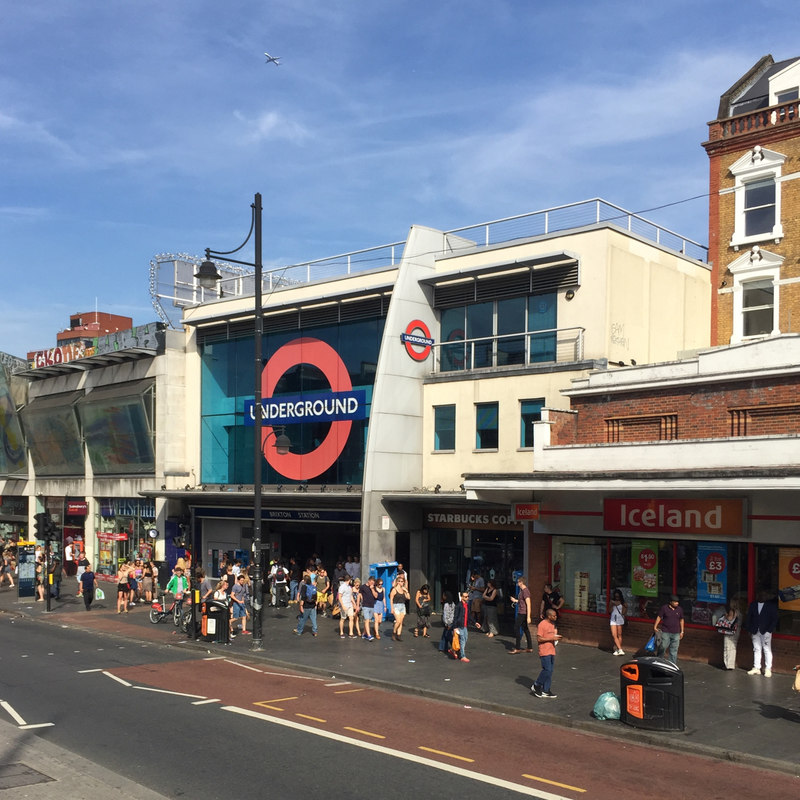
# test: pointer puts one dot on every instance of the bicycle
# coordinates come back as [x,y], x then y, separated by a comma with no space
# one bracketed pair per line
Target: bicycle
[159,610]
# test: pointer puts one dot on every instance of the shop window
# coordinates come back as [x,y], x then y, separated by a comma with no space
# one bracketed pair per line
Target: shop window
[530,411]
[486,426]
[777,572]
[444,428]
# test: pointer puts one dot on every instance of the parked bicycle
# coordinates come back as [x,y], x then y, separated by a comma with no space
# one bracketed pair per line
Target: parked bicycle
[159,610]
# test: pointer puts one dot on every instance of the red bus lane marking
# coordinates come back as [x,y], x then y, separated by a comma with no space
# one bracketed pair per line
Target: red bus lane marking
[504,747]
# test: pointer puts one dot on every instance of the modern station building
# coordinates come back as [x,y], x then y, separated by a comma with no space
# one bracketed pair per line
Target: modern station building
[412,365]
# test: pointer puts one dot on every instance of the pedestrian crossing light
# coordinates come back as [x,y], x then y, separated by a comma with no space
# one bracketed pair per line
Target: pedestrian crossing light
[40,525]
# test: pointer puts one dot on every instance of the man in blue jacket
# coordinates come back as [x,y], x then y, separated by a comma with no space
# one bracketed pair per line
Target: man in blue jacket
[762,619]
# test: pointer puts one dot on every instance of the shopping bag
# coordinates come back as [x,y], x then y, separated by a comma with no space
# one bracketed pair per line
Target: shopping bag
[796,685]
[99,594]
[650,647]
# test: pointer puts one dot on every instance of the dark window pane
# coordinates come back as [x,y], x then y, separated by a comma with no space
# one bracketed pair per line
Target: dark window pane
[486,426]
[444,435]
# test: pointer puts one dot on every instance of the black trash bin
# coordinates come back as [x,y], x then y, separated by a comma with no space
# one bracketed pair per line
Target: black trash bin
[651,690]
[215,622]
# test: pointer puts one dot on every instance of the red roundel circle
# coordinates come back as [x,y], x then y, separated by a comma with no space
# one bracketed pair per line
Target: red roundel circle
[302,466]
[414,326]
[715,563]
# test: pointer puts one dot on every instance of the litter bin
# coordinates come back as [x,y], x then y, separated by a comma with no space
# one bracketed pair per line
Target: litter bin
[215,622]
[651,690]
[387,572]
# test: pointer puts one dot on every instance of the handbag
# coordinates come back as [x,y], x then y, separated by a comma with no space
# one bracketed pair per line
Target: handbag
[796,685]
[455,644]
[726,626]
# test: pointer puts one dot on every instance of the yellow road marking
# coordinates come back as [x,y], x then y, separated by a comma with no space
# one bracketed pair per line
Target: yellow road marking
[348,691]
[366,733]
[449,755]
[276,700]
[264,705]
[315,719]
[554,783]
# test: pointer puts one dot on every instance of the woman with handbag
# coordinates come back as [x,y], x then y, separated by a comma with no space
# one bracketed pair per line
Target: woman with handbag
[728,626]
[422,600]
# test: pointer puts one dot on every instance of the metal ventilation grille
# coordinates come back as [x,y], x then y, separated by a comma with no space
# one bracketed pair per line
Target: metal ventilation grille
[288,321]
[364,309]
[518,284]
[550,280]
[454,294]
[322,315]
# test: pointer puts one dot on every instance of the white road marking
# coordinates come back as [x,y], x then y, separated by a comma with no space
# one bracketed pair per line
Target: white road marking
[243,666]
[343,683]
[86,671]
[37,725]
[17,718]
[413,757]
[118,680]
[167,691]
[203,702]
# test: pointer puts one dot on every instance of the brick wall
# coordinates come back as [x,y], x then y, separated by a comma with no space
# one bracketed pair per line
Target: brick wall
[703,412]
[722,154]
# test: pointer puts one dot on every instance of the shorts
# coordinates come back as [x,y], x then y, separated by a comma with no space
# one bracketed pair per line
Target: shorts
[123,588]
[348,611]
[399,608]
[239,611]
[368,613]
[322,598]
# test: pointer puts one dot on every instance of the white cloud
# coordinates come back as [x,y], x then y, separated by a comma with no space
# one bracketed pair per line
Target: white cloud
[270,125]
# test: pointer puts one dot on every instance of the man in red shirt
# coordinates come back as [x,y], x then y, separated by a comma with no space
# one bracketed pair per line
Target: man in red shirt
[548,638]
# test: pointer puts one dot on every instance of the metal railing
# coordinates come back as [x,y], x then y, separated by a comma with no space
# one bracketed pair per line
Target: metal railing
[172,276]
[552,346]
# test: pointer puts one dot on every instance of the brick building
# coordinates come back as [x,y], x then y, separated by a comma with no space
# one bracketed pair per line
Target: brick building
[684,477]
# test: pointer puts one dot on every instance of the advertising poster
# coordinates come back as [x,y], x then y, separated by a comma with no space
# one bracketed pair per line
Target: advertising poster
[644,568]
[26,563]
[789,578]
[712,572]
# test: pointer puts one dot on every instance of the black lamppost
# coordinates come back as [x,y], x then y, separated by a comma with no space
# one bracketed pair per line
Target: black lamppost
[207,276]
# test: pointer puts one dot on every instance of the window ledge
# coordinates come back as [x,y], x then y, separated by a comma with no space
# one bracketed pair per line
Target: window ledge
[741,241]
[487,450]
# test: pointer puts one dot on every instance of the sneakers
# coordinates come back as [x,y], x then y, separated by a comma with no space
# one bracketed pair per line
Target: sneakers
[619,652]
[767,673]
[537,690]
[342,636]
[755,671]
[551,695]
[369,638]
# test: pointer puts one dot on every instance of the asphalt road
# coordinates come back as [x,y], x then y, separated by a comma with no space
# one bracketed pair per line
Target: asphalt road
[212,725]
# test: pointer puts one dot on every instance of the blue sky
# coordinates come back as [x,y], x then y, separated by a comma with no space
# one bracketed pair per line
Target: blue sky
[133,127]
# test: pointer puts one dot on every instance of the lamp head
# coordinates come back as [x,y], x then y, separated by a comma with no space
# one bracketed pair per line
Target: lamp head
[207,276]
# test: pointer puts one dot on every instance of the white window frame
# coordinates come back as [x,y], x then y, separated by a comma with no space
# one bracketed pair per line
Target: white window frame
[755,265]
[758,164]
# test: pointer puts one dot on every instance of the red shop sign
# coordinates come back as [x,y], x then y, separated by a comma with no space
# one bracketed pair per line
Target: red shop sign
[77,508]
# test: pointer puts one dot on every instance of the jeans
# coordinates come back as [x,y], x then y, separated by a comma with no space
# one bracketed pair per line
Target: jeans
[308,613]
[670,642]
[293,590]
[546,675]
[462,641]
[521,626]
[762,642]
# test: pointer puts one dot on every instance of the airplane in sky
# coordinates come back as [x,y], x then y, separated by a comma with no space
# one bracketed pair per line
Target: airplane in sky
[276,60]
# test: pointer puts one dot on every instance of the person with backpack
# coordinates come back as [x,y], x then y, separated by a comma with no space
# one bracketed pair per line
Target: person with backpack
[281,583]
[307,597]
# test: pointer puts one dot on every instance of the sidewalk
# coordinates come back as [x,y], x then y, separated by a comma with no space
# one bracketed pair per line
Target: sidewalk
[732,716]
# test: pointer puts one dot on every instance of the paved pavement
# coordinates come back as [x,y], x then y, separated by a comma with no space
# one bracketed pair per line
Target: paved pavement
[729,715]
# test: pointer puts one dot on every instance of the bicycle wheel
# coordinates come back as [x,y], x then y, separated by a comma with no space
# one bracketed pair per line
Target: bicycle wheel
[155,616]
[186,621]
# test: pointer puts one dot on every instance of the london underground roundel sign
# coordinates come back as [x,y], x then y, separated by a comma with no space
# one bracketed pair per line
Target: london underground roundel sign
[302,466]
[417,340]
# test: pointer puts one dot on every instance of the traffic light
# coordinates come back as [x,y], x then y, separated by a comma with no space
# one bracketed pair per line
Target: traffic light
[41,521]
[51,531]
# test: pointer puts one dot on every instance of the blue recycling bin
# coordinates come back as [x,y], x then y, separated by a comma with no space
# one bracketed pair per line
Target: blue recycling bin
[387,572]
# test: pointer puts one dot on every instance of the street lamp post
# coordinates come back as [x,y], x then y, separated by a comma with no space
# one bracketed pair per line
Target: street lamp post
[207,276]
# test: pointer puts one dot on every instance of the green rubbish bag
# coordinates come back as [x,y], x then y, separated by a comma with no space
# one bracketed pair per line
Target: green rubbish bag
[607,706]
